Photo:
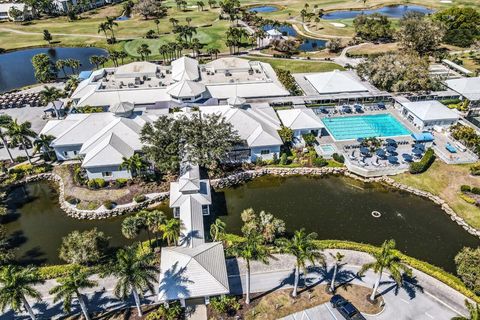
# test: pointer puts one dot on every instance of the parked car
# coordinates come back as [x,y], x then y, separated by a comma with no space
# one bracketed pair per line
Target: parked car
[345,308]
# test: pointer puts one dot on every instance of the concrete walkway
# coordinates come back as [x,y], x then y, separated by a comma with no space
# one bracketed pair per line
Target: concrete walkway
[421,298]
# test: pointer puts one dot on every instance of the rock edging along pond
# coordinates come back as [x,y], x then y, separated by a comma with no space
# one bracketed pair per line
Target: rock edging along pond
[242,177]
[239,178]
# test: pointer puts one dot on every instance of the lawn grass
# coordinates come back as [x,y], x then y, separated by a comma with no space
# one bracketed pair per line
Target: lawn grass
[299,66]
[445,180]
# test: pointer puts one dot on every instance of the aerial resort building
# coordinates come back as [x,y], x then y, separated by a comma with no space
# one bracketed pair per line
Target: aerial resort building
[467,88]
[185,82]
[301,121]
[195,269]
[426,115]
[5,11]
[338,87]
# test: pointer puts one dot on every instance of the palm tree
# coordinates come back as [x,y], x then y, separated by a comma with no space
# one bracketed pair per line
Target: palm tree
[111,24]
[16,284]
[217,229]
[212,3]
[252,249]
[157,22]
[74,64]
[200,5]
[60,64]
[5,121]
[135,273]
[114,55]
[302,247]
[51,94]
[171,230]
[473,310]
[196,46]
[131,227]
[386,258]
[337,258]
[213,51]
[173,21]
[21,134]
[72,83]
[122,55]
[135,164]
[103,27]
[42,144]
[144,51]
[152,222]
[189,20]
[70,286]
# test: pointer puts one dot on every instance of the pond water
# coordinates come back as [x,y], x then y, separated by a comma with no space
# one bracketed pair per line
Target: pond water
[395,11]
[341,208]
[334,207]
[16,69]
[308,44]
[37,225]
[263,9]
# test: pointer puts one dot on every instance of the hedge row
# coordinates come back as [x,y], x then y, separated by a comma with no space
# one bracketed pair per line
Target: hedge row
[424,164]
[433,271]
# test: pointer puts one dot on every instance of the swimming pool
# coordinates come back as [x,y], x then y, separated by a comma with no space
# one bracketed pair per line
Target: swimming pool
[354,127]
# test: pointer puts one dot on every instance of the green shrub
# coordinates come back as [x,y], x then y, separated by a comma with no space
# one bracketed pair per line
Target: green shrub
[92,184]
[338,157]
[475,190]
[309,139]
[109,205]
[423,165]
[259,161]
[283,159]
[173,311]
[120,183]
[140,198]
[20,159]
[22,168]
[57,271]
[320,162]
[465,188]
[475,169]
[72,200]
[468,199]
[225,305]
[97,183]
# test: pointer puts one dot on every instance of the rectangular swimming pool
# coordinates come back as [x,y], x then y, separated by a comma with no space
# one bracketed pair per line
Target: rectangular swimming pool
[354,127]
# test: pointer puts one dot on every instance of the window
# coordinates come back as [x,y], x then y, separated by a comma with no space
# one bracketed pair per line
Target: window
[265,151]
[65,153]
[176,212]
[205,211]
[107,174]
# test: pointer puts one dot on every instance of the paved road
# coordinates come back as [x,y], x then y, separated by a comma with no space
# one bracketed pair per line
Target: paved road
[414,301]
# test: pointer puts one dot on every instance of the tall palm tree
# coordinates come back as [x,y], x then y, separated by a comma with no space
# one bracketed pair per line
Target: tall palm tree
[171,231]
[72,83]
[302,247]
[111,24]
[74,64]
[131,227]
[5,121]
[135,164]
[157,23]
[473,310]
[213,51]
[42,144]
[337,258]
[252,249]
[152,221]
[60,64]
[217,229]
[173,21]
[144,51]
[135,272]
[21,134]
[122,55]
[70,286]
[51,94]
[387,258]
[16,284]
[103,27]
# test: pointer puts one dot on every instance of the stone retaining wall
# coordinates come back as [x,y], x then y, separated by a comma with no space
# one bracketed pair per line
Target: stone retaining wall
[100,213]
[238,178]
[242,177]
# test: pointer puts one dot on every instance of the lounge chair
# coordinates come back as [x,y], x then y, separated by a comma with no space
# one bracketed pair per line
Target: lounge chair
[352,155]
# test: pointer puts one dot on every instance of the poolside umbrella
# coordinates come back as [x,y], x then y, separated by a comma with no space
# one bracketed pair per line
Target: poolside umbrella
[417,151]
[381,105]
[360,140]
[407,157]
[391,149]
[390,141]
[392,159]
[381,153]
[364,150]
[419,146]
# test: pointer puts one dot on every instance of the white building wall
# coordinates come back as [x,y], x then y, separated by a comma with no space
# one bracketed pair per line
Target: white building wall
[67,152]
[107,173]
[259,152]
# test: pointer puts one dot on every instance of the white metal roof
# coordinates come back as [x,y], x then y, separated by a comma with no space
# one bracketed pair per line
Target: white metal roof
[300,118]
[247,90]
[186,88]
[229,63]
[274,32]
[185,68]
[467,87]
[193,272]
[108,152]
[236,101]
[335,81]
[5,7]
[121,107]
[430,110]
[136,96]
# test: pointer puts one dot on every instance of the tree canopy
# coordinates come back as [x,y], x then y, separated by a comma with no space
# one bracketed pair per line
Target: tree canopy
[373,27]
[200,139]
[84,247]
[462,25]
[44,68]
[419,34]
[468,267]
[398,72]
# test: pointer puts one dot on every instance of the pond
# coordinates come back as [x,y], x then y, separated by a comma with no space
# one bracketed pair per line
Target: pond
[263,9]
[37,225]
[394,11]
[341,208]
[334,207]
[16,69]
[308,44]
